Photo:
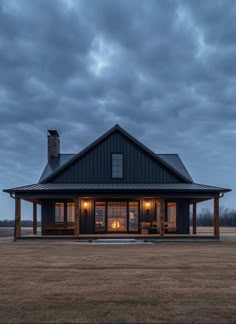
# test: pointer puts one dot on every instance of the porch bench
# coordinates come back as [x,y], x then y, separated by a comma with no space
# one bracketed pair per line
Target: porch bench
[59,228]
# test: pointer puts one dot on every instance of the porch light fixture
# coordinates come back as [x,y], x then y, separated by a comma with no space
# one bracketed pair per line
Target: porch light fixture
[147,204]
[85,204]
[147,207]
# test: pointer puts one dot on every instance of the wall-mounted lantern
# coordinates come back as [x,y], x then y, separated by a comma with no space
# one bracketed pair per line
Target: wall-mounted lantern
[147,208]
[147,205]
[85,205]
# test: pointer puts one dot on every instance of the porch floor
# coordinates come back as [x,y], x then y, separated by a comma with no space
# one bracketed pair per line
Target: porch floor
[148,237]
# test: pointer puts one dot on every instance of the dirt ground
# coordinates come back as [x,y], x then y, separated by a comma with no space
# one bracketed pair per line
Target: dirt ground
[71,282]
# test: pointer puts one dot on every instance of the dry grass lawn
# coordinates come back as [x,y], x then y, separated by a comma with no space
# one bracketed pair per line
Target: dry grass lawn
[71,282]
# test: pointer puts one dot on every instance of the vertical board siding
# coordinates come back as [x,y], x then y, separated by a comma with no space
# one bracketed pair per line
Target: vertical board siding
[183,217]
[47,213]
[95,165]
[87,221]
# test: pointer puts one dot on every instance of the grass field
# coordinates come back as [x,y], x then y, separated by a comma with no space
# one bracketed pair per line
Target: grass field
[71,282]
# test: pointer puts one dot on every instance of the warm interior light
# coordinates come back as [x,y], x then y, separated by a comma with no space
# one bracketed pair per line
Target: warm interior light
[85,204]
[115,224]
[147,204]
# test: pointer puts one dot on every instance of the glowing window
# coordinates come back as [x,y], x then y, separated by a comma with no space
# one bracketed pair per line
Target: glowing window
[171,214]
[70,212]
[100,212]
[59,212]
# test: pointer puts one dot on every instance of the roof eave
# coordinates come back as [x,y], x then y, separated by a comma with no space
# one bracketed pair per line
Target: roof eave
[216,190]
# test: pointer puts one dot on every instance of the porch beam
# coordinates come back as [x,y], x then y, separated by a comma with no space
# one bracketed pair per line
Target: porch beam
[33,201]
[162,216]
[17,232]
[77,217]
[128,194]
[199,200]
[194,218]
[216,217]
[34,218]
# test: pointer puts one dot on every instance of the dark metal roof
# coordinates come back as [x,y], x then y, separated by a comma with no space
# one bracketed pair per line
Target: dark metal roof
[175,161]
[173,187]
[55,164]
[101,138]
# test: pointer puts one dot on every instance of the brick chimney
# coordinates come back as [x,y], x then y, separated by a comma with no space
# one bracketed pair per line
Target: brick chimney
[53,144]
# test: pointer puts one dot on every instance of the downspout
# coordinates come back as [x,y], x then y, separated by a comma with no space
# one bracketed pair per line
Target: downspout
[221,195]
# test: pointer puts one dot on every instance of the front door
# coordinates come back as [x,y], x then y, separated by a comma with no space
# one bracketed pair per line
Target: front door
[116,216]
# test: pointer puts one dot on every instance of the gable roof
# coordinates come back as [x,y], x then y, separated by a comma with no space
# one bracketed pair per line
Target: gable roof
[161,159]
[52,166]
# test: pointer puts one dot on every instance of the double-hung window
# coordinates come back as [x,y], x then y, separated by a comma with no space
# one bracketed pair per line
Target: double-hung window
[59,212]
[64,212]
[70,211]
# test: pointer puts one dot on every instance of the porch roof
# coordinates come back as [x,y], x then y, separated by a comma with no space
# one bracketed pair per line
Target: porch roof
[113,187]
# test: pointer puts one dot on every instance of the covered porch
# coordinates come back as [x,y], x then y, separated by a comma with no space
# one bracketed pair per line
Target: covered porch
[116,209]
[159,226]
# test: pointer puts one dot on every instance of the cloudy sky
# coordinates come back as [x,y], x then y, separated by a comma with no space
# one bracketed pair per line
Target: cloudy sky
[164,70]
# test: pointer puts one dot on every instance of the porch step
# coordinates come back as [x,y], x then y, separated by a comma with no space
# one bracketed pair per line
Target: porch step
[118,241]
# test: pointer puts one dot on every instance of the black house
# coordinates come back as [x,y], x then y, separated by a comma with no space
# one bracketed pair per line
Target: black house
[114,185]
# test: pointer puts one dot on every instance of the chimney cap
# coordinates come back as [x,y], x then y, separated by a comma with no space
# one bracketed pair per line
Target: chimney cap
[53,132]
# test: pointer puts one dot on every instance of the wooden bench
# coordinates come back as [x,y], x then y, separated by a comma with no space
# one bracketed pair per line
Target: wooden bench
[59,229]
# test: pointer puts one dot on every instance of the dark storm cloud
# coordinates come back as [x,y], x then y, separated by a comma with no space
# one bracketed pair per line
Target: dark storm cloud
[165,70]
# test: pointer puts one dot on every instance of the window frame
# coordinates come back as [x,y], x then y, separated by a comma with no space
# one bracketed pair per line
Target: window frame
[168,216]
[65,221]
[122,165]
[127,201]
[66,207]
[63,208]
[104,216]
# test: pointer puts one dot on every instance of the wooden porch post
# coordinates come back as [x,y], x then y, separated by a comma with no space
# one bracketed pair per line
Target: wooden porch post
[77,216]
[194,218]
[162,216]
[17,232]
[216,217]
[34,218]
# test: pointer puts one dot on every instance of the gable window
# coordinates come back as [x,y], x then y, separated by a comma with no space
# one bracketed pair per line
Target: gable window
[117,165]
